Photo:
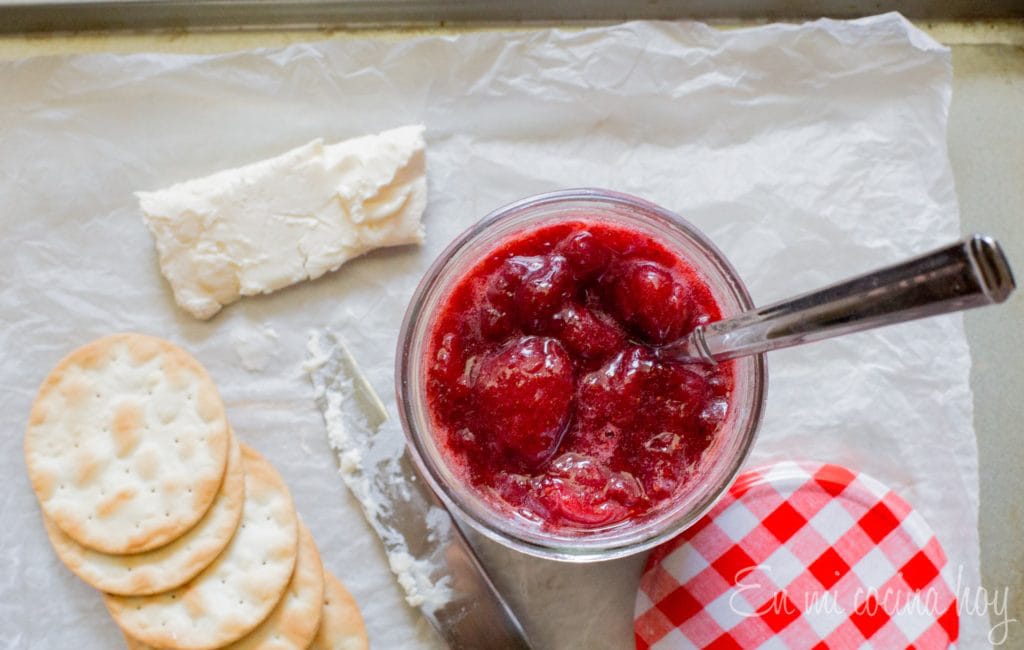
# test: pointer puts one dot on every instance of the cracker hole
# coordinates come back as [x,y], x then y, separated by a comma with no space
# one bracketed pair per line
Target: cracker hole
[152,490]
[167,514]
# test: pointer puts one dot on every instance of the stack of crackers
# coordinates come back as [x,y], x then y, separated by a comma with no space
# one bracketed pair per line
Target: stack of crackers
[148,496]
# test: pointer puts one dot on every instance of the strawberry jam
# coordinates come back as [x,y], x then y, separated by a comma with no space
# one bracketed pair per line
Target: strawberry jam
[544,385]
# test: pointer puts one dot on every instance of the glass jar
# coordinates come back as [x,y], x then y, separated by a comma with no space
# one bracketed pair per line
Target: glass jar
[734,439]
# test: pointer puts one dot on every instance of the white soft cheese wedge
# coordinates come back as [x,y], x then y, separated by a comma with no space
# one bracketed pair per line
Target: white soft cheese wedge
[264,226]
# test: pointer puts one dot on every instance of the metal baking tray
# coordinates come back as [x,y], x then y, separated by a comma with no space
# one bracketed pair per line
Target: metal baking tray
[19,16]
[986,148]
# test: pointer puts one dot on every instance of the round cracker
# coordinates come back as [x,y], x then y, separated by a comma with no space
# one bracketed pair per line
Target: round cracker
[127,443]
[235,593]
[294,622]
[341,625]
[169,566]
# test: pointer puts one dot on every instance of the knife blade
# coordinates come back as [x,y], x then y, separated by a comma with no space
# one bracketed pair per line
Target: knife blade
[428,553]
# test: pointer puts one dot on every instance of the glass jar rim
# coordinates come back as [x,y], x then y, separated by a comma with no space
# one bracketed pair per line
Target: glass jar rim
[488,521]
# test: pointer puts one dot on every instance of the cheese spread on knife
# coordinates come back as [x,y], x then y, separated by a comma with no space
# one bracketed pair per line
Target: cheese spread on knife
[294,217]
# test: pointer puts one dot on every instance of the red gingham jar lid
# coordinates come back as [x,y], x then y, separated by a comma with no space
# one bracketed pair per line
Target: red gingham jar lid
[800,555]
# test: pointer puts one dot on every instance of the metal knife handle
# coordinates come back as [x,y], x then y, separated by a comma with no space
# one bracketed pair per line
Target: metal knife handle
[971,273]
[487,622]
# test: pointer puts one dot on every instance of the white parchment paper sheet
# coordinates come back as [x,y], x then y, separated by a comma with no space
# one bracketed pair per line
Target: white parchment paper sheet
[808,153]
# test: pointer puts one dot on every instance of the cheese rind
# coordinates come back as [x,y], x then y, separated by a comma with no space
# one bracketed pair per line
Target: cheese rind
[294,217]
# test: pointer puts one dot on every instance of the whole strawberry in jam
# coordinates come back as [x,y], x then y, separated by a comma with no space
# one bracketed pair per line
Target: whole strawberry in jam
[547,284]
[587,333]
[649,299]
[524,392]
[586,254]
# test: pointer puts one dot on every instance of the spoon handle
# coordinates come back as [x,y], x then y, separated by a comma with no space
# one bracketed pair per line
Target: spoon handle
[971,273]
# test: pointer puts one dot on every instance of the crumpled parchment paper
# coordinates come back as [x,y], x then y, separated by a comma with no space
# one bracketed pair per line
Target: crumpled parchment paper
[808,153]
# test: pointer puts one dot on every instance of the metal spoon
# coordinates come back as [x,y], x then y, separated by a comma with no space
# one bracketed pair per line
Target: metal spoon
[971,273]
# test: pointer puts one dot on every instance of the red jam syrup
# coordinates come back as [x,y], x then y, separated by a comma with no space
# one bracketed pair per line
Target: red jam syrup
[543,383]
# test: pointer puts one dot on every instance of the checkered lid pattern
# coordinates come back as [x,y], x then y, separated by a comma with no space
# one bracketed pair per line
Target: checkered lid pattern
[800,556]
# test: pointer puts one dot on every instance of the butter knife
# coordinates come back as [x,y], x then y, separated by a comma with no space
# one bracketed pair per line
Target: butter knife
[427,551]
